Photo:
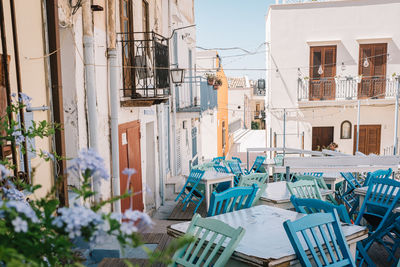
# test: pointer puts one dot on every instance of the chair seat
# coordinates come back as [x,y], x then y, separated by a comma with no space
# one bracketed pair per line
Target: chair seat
[195,192]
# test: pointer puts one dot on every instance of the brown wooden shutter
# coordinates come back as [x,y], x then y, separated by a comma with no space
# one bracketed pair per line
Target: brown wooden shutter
[322,86]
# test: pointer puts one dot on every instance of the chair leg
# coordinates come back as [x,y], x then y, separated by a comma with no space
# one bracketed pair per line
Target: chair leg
[198,205]
[186,204]
[364,256]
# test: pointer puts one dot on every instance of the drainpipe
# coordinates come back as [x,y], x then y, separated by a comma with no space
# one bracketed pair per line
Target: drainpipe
[173,98]
[358,124]
[88,55]
[112,58]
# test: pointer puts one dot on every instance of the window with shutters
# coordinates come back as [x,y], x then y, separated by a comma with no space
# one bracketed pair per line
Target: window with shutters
[372,67]
[322,72]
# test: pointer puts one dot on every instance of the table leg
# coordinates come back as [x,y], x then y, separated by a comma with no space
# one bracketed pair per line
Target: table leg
[208,195]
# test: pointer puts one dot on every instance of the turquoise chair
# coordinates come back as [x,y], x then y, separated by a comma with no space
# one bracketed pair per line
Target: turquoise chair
[278,160]
[218,159]
[305,189]
[224,185]
[321,183]
[237,159]
[236,198]
[236,170]
[260,179]
[309,206]
[207,250]
[323,237]
[378,174]
[256,165]
[381,198]
[189,192]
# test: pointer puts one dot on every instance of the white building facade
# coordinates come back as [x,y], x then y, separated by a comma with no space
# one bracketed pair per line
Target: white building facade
[325,57]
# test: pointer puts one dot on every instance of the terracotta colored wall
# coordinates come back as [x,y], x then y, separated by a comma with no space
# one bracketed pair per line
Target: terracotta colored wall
[222,111]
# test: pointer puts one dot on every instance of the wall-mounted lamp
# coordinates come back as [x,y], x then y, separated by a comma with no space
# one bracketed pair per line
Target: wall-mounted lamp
[177,75]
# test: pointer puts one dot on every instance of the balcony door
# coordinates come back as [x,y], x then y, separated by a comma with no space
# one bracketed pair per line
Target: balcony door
[322,137]
[127,47]
[322,72]
[369,139]
[372,67]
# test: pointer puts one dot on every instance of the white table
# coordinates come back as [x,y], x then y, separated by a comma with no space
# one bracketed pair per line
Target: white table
[265,242]
[212,177]
[332,178]
[332,169]
[277,195]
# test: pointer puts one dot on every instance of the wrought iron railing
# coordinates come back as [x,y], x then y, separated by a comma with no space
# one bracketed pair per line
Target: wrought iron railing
[346,88]
[145,63]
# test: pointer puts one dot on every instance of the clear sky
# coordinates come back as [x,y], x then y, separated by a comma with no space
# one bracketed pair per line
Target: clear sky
[234,23]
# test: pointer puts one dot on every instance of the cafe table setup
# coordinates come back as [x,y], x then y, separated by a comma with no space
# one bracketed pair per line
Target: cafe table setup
[212,178]
[265,242]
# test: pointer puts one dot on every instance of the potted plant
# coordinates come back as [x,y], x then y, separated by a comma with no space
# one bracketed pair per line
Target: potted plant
[217,83]
[210,78]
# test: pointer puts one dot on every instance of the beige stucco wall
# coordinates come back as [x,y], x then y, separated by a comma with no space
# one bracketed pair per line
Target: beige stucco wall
[33,75]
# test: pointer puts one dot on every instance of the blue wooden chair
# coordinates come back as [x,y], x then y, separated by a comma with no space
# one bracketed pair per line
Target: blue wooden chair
[225,185]
[218,159]
[323,237]
[378,174]
[236,198]
[236,170]
[237,159]
[215,242]
[348,197]
[392,232]
[256,165]
[309,206]
[278,160]
[321,183]
[189,193]
[204,166]
[381,198]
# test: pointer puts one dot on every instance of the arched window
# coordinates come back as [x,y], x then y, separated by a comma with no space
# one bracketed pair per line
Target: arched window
[345,130]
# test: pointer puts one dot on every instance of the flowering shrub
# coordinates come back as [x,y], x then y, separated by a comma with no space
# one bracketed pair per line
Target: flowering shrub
[40,232]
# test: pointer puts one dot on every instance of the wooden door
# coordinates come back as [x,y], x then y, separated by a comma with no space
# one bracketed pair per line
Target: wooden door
[127,47]
[130,157]
[369,139]
[322,84]
[373,82]
[321,137]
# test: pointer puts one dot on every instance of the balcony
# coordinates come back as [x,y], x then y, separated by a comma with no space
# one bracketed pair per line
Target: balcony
[146,70]
[346,88]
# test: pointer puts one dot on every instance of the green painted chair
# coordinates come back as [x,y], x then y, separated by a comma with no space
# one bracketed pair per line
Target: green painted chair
[278,160]
[208,249]
[205,166]
[305,189]
[321,183]
[260,179]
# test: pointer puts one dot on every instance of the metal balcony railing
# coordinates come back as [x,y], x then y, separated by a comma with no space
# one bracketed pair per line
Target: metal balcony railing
[145,63]
[347,88]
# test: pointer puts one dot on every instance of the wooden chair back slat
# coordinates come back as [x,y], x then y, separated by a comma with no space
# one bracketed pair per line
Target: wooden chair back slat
[305,189]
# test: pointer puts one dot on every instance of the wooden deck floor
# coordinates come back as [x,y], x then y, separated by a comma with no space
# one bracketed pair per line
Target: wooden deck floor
[161,239]
[178,215]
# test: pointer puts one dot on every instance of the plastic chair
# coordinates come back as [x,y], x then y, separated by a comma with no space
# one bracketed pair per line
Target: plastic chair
[256,165]
[321,183]
[378,174]
[309,206]
[237,159]
[393,233]
[218,159]
[189,193]
[236,170]
[215,243]
[260,179]
[323,237]
[305,189]
[224,185]
[236,198]
[380,199]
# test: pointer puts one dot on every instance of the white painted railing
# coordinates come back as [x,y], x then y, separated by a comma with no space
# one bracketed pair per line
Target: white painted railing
[279,2]
[346,88]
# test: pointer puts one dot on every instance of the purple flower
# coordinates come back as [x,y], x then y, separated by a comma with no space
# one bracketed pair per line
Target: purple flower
[128,228]
[129,171]
[25,99]
[18,137]
[48,155]
[89,160]
[13,194]
[23,208]
[140,219]
[19,225]
[4,172]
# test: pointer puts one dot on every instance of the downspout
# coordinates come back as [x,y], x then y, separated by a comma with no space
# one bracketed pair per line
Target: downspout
[112,58]
[90,82]
[173,99]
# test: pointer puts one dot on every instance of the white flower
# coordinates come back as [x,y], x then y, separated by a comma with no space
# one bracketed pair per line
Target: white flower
[128,228]
[13,194]
[116,216]
[20,225]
